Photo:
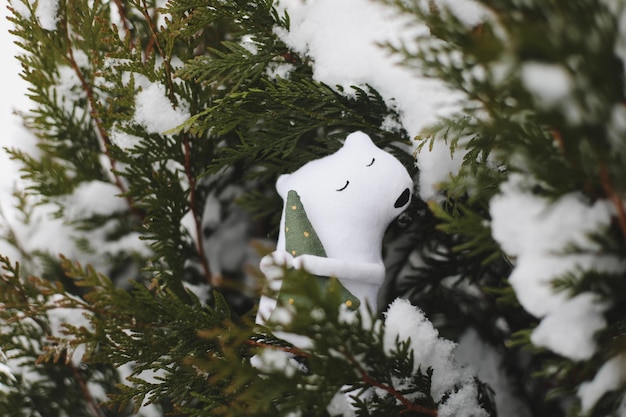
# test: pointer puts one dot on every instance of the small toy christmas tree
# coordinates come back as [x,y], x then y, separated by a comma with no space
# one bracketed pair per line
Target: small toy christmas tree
[300,239]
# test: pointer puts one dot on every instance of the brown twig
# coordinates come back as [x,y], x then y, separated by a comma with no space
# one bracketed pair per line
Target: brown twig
[605,179]
[556,135]
[367,378]
[85,390]
[194,212]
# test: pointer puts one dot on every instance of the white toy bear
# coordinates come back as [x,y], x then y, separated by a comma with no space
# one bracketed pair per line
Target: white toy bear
[348,199]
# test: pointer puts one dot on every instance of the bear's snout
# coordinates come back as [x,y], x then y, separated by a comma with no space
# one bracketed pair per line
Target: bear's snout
[403,199]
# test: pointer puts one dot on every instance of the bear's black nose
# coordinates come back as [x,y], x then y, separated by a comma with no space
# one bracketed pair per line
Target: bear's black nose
[403,199]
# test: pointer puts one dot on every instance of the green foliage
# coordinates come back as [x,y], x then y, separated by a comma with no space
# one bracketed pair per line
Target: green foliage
[156,330]
[157,319]
[569,145]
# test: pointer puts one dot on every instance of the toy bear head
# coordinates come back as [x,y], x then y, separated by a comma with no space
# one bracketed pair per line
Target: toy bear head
[350,197]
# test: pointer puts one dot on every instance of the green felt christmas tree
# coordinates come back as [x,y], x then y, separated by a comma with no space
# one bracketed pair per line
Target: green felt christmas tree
[301,239]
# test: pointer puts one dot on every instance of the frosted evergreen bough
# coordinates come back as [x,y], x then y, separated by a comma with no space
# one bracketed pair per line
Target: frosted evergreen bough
[136,229]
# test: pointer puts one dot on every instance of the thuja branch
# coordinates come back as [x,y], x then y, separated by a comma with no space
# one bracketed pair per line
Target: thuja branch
[26,308]
[93,111]
[369,380]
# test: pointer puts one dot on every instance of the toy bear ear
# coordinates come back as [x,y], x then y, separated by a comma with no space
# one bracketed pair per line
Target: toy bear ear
[358,139]
[282,185]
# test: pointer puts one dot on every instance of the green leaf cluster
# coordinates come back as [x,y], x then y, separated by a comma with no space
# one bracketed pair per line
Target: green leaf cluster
[507,125]
[156,332]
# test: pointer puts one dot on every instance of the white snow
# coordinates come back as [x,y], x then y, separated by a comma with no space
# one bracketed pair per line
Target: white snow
[59,317]
[5,370]
[610,377]
[46,13]
[94,198]
[123,140]
[552,86]
[344,39]
[21,7]
[155,112]
[569,330]
[437,165]
[469,12]
[473,352]
[274,360]
[14,135]
[549,83]
[537,233]
[282,70]
[405,322]
[462,403]
[341,406]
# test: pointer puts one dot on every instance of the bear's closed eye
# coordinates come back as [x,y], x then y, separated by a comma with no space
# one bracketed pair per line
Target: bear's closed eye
[344,187]
[371,163]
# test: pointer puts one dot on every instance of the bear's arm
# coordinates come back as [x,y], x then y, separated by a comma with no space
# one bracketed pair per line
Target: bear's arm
[370,273]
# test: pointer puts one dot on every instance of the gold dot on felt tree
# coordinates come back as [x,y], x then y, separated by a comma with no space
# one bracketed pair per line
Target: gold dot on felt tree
[286,229]
[293,252]
[306,234]
[349,303]
[291,301]
[294,207]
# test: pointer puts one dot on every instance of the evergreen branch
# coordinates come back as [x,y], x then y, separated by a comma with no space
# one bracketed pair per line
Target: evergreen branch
[368,379]
[24,304]
[102,133]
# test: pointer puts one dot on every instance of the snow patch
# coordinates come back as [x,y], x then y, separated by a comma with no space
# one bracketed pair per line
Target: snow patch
[343,40]
[123,140]
[538,233]
[340,406]
[610,377]
[274,360]
[487,361]
[94,198]
[279,70]
[6,371]
[404,322]
[59,317]
[436,166]
[569,330]
[21,7]
[46,14]
[155,112]
[549,83]
[462,403]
